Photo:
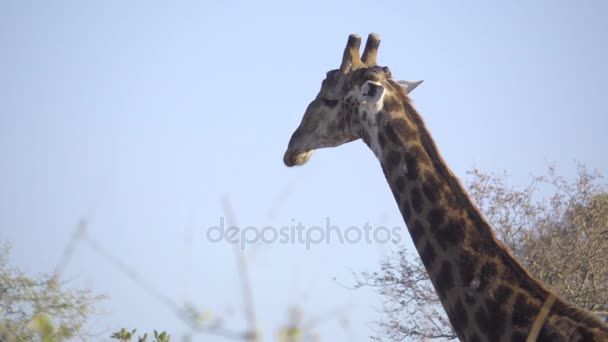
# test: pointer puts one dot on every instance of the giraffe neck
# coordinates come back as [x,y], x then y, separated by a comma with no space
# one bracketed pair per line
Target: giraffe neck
[485,292]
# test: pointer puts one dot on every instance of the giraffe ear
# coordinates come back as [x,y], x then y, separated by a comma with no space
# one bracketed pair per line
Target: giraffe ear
[371,92]
[409,85]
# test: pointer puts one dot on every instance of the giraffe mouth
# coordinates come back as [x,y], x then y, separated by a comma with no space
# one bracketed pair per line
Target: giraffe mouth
[296,158]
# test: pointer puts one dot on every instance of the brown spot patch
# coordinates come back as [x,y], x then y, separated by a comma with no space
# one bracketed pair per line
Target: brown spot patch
[483,229]
[450,234]
[413,158]
[398,130]
[430,188]
[467,262]
[502,294]
[417,231]
[481,245]
[416,200]
[435,217]
[392,160]
[487,273]
[411,166]
[445,280]
[496,320]
[523,311]
[428,255]
[417,152]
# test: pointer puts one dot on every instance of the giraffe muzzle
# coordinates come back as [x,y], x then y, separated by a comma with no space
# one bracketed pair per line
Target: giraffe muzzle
[295,158]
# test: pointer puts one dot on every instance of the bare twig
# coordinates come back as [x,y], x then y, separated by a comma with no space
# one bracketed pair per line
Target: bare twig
[541,318]
[77,236]
[244,274]
[178,310]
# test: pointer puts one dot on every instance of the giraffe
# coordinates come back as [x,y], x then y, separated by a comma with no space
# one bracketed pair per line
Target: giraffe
[487,294]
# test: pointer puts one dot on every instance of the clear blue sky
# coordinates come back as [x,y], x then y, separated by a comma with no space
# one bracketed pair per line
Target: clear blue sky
[139,116]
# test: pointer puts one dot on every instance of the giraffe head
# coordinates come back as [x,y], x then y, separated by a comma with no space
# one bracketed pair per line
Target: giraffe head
[349,95]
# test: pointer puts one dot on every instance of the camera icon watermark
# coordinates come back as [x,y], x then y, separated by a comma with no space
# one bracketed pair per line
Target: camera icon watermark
[298,233]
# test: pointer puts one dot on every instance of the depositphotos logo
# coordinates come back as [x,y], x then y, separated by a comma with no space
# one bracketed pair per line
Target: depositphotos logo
[297,233]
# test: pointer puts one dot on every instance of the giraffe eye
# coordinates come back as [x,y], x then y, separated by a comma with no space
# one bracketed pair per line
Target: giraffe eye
[330,103]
